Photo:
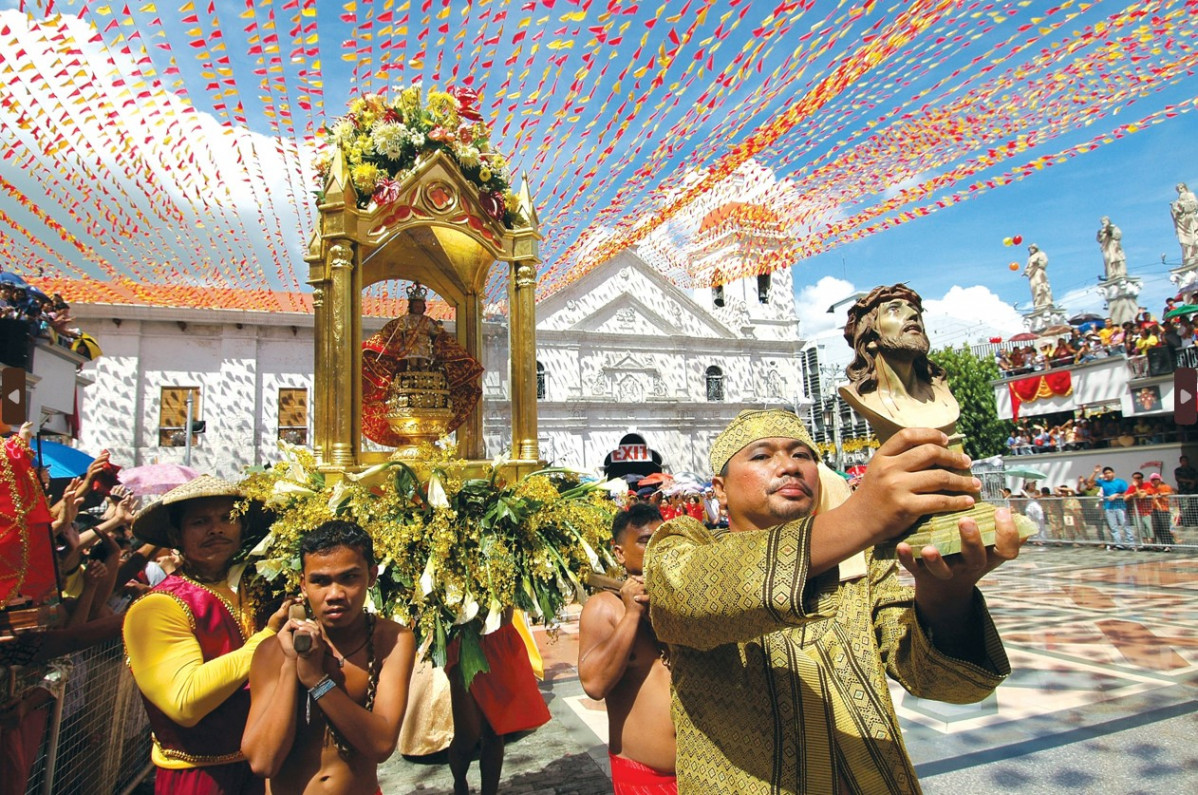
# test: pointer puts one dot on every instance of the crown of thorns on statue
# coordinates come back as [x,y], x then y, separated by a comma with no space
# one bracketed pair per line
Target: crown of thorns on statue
[417,292]
[860,331]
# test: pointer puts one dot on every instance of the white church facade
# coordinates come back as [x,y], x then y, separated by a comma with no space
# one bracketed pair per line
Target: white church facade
[621,350]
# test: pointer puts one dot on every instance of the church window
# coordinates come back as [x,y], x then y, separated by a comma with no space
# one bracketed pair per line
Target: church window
[542,385]
[172,414]
[763,288]
[293,415]
[715,384]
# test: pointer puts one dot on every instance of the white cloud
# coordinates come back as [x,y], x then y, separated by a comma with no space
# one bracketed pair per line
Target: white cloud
[969,315]
[217,179]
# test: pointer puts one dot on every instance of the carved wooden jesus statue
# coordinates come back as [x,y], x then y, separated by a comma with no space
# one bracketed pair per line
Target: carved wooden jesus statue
[894,385]
[892,382]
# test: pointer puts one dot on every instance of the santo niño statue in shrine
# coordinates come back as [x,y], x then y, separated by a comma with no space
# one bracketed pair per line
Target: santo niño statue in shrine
[418,383]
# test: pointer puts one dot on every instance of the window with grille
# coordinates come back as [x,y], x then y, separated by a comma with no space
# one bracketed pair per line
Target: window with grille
[293,415]
[542,382]
[172,414]
[715,384]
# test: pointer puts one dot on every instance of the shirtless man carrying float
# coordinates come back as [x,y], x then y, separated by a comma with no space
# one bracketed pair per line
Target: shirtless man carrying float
[321,721]
[621,661]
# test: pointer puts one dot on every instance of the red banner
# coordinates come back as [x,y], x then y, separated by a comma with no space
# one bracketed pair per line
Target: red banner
[1037,387]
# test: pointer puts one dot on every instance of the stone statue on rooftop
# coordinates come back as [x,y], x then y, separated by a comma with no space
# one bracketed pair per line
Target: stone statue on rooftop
[1110,240]
[1037,273]
[1185,220]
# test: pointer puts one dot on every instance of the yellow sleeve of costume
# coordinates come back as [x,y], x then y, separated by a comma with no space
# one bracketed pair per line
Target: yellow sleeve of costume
[914,662]
[169,667]
[706,591]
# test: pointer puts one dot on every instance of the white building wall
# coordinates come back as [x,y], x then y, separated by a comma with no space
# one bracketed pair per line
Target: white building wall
[623,350]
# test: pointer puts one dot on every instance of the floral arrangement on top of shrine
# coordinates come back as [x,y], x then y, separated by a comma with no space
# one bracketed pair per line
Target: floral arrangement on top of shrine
[384,137]
[454,552]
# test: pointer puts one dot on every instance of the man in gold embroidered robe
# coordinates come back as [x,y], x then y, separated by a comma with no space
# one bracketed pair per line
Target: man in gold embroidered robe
[782,630]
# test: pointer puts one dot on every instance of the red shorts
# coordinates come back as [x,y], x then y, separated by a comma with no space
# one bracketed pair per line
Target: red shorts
[232,779]
[507,694]
[633,778]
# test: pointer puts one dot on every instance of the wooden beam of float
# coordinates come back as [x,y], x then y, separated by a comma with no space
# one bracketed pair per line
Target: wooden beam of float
[436,233]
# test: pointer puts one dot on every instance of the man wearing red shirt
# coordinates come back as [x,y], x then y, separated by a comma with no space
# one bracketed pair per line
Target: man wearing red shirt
[1139,505]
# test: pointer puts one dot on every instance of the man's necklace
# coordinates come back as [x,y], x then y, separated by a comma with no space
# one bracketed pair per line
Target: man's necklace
[341,660]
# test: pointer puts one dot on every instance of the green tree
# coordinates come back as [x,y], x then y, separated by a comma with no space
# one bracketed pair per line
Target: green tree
[969,378]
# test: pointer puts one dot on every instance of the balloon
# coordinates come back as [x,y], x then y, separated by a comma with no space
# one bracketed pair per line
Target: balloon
[1006,241]
[1017,239]
[1014,266]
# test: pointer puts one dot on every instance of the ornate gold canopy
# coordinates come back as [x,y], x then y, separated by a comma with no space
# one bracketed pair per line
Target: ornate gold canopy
[436,233]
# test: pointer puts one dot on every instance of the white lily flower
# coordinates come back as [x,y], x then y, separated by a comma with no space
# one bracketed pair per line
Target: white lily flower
[436,492]
[260,548]
[469,610]
[494,617]
[591,556]
[369,472]
[270,568]
[284,487]
[426,579]
[339,496]
[615,486]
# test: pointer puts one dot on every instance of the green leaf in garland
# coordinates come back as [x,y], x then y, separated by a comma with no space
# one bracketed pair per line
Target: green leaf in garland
[439,649]
[471,658]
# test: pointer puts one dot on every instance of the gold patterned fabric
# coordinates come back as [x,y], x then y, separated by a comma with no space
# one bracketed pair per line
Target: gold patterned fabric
[779,679]
[751,425]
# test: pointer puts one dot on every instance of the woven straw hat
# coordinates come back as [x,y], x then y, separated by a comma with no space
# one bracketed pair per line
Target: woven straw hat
[153,523]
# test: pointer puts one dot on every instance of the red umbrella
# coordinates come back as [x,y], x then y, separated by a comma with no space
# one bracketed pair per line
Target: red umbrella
[1024,336]
[654,479]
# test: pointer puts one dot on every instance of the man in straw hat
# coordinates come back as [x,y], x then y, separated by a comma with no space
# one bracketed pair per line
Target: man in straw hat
[782,631]
[190,641]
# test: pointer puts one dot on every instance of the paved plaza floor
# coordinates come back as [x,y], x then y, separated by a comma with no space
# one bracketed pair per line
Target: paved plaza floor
[1104,647]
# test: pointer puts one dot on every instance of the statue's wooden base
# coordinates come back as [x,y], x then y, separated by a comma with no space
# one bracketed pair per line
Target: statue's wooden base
[941,531]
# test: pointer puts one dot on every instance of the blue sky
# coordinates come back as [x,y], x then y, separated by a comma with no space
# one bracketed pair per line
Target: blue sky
[1131,180]
[953,256]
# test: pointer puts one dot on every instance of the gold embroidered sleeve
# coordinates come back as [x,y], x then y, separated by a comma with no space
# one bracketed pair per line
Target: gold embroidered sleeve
[706,591]
[914,662]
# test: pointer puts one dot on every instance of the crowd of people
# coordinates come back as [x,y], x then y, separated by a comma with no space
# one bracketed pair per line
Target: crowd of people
[1063,433]
[48,317]
[1147,513]
[1095,340]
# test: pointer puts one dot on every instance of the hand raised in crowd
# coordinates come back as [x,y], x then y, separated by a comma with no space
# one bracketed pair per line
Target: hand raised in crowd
[93,469]
[66,509]
[124,510]
[94,574]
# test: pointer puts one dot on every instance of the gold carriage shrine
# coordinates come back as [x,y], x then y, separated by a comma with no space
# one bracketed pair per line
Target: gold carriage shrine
[415,381]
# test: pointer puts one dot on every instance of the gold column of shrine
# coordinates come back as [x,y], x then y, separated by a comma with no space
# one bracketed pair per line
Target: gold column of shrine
[436,233]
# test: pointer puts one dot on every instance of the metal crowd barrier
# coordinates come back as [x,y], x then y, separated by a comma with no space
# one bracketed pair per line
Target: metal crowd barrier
[1082,521]
[97,738]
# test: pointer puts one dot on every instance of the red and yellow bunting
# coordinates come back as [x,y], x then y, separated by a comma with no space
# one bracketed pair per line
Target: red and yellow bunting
[169,144]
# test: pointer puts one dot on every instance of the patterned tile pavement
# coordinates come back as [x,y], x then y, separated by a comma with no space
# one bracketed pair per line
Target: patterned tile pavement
[1104,647]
